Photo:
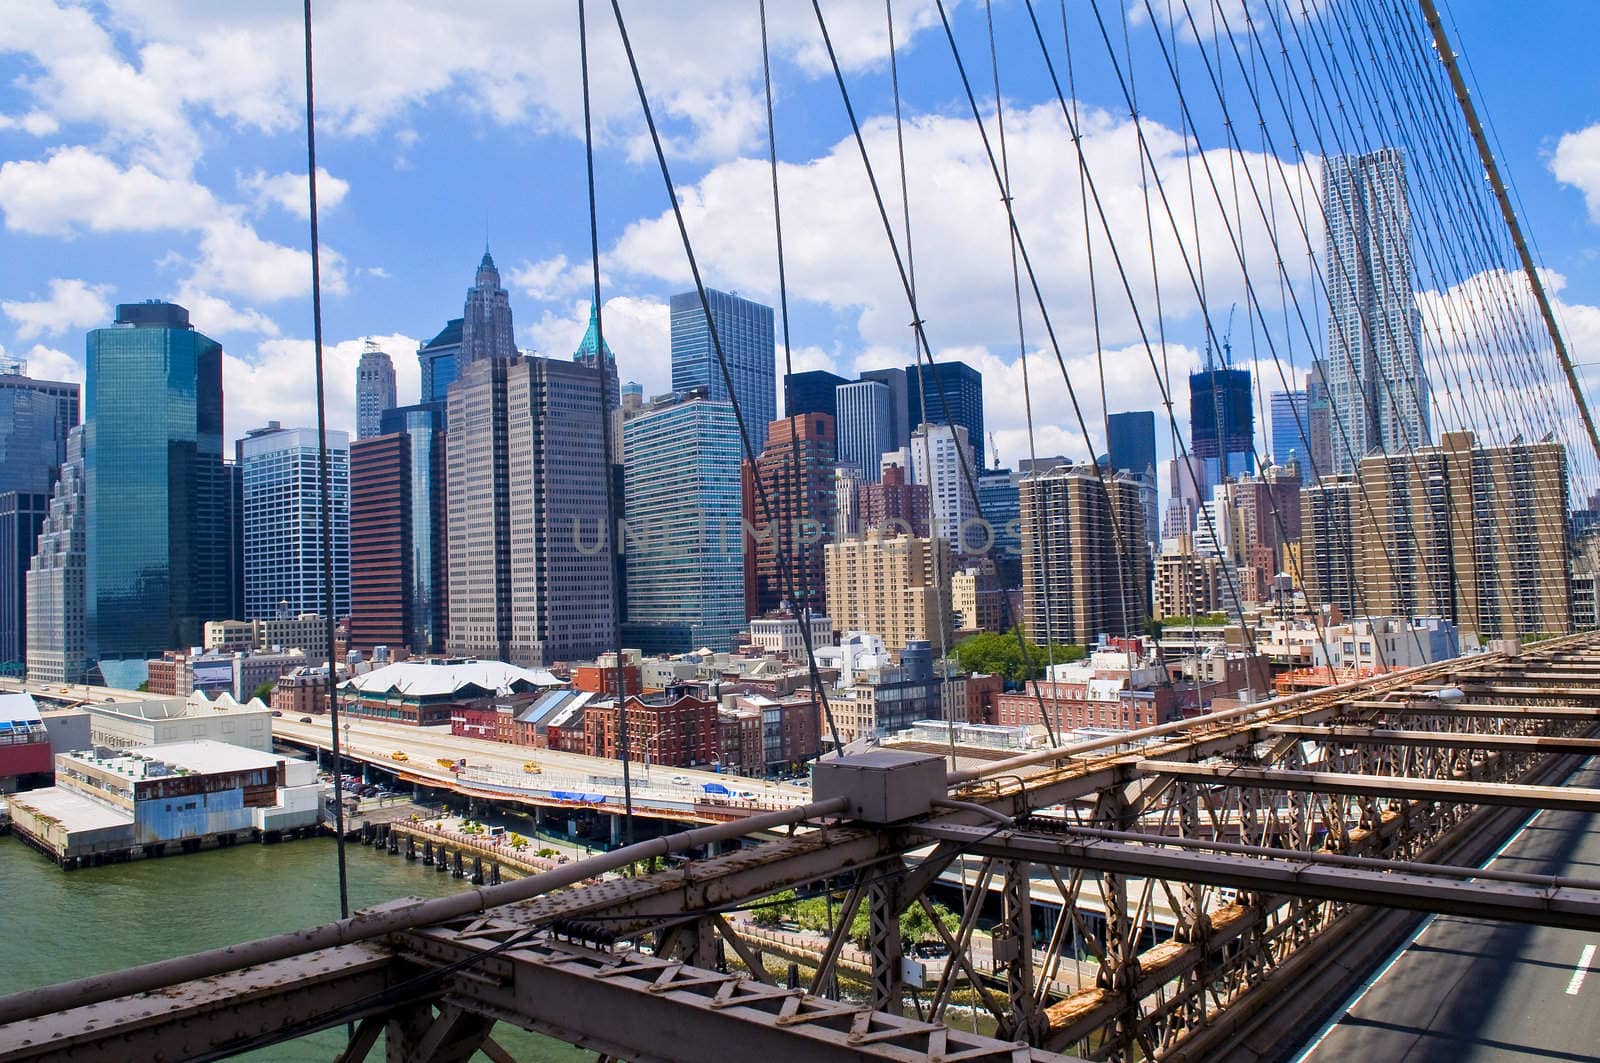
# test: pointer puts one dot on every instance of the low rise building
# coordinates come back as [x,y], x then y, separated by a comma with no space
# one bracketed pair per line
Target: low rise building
[307,632]
[24,743]
[1119,686]
[426,692]
[111,805]
[672,728]
[179,674]
[135,724]
[779,633]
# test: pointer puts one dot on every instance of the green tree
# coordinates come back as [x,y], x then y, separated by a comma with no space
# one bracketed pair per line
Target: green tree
[915,926]
[778,908]
[1000,653]
[264,690]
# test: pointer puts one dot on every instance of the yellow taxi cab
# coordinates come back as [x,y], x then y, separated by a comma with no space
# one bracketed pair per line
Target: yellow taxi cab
[399,755]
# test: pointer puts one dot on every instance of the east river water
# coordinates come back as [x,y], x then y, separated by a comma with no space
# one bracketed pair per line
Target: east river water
[57,925]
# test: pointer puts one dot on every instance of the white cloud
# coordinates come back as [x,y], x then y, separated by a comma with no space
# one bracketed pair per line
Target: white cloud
[217,317]
[48,363]
[288,191]
[77,188]
[232,257]
[34,123]
[278,381]
[553,279]
[1577,163]
[638,331]
[71,304]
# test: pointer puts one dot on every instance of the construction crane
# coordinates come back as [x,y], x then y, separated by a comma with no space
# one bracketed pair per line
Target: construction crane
[993,452]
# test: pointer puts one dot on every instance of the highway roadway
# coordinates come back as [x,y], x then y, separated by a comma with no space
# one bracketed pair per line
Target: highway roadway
[377,741]
[1472,991]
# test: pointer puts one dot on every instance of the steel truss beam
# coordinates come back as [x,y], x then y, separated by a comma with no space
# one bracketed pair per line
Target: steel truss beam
[1428,707]
[647,1008]
[197,1018]
[1341,735]
[1564,798]
[1292,876]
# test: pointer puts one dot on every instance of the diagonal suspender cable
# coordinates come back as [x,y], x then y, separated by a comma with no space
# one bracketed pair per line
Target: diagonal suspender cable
[711,327]
[624,749]
[324,487]
[802,611]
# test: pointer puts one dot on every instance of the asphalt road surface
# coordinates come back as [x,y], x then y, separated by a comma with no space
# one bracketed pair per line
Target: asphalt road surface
[1473,991]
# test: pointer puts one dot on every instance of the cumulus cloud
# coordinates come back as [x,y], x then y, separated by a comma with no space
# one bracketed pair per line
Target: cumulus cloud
[1577,163]
[277,381]
[288,191]
[71,304]
[76,188]
[34,123]
[638,331]
[48,363]
[553,278]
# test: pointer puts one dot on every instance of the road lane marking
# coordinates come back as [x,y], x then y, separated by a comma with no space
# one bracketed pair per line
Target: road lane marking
[1582,969]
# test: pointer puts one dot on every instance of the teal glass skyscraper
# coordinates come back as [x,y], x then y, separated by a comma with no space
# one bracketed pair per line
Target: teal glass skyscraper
[685,555]
[156,492]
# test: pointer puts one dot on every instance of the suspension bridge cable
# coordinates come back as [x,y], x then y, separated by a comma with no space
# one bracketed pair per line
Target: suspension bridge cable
[324,477]
[624,749]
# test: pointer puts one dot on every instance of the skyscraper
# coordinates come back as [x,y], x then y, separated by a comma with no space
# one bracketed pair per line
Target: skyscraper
[788,506]
[155,489]
[1222,424]
[1377,385]
[1319,423]
[530,575]
[865,425]
[1291,429]
[744,329]
[35,417]
[380,542]
[900,420]
[283,561]
[440,360]
[685,560]
[57,639]
[486,330]
[941,457]
[374,390]
[948,393]
[812,392]
[595,353]
[1076,582]
[1131,441]
[427,595]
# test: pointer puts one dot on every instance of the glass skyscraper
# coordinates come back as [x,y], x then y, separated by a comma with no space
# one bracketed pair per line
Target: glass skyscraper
[1222,424]
[423,427]
[1377,387]
[35,418]
[158,535]
[1291,429]
[685,556]
[744,329]
[812,392]
[865,426]
[1131,442]
[283,569]
[948,393]
[440,359]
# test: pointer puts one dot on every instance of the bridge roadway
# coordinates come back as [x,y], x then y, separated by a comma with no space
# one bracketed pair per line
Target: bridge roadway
[495,768]
[1474,991]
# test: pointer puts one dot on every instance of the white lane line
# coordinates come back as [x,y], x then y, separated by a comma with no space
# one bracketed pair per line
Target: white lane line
[1582,969]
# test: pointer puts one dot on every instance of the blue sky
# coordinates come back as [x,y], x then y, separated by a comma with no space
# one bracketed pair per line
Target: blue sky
[155,148]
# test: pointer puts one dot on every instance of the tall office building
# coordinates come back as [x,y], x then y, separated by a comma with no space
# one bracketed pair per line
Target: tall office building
[1376,381]
[57,636]
[1076,584]
[440,360]
[380,548]
[374,390]
[426,597]
[948,393]
[865,425]
[900,420]
[891,585]
[283,559]
[1291,429]
[941,457]
[1319,423]
[155,488]
[812,392]
[35,417]
[744,331]
[530,575]
[685,559]
[486,330]
[1329,523]
[1131,442]
[1000,499]
[788,505]
[893,503]
[1222,424]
